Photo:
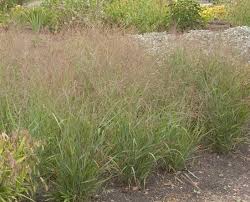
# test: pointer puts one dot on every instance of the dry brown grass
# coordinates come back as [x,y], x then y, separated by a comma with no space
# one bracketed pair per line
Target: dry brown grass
[52,57]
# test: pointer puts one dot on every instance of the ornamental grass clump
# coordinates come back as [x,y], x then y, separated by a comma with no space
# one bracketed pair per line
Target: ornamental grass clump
[222,94]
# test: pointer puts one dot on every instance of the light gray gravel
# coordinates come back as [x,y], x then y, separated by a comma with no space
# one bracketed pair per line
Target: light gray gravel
[33,4]
[237,38]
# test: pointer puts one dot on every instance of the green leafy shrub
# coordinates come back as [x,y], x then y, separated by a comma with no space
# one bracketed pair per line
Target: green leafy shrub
[239,12]
[76,11]
[18,158]
[185,14]
[210,13]
[144,15]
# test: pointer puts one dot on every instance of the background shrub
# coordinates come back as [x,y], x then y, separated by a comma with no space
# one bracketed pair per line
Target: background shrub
[144,15]
[185,14]
[80,12]
[36,18]
[8,4]
[210,13]
[239,12]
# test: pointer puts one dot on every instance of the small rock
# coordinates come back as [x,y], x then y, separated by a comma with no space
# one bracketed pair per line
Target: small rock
[135,188]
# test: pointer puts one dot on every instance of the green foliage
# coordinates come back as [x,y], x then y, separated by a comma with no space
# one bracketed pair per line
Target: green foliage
[221,2]
[226,109]
[239,12]
[77,171]
[8,4]
[135,148]
[210,13]
[37,18]
[185,14]
[144,15]
[141,15]
[222,94]
[17,153]
[217,1]
[180,138]
[76,11]
[4,18]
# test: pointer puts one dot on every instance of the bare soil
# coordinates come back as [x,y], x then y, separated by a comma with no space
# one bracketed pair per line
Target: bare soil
[208,177]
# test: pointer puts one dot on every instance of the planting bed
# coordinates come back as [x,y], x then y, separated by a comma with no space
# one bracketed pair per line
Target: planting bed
[113,115]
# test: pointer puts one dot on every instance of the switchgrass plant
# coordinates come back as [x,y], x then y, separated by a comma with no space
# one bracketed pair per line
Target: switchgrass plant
[135,149]
[227,108]
[222,89]
[77,157]
[176,151]
[105,110]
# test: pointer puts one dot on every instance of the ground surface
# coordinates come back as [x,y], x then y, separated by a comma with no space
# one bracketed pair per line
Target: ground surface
[209,177]
[234,41]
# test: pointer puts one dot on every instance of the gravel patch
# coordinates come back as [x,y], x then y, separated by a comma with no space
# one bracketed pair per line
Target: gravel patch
[33,4]
[237,39]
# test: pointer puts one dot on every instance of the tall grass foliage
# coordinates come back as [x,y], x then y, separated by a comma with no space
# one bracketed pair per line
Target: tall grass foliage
[106,110]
